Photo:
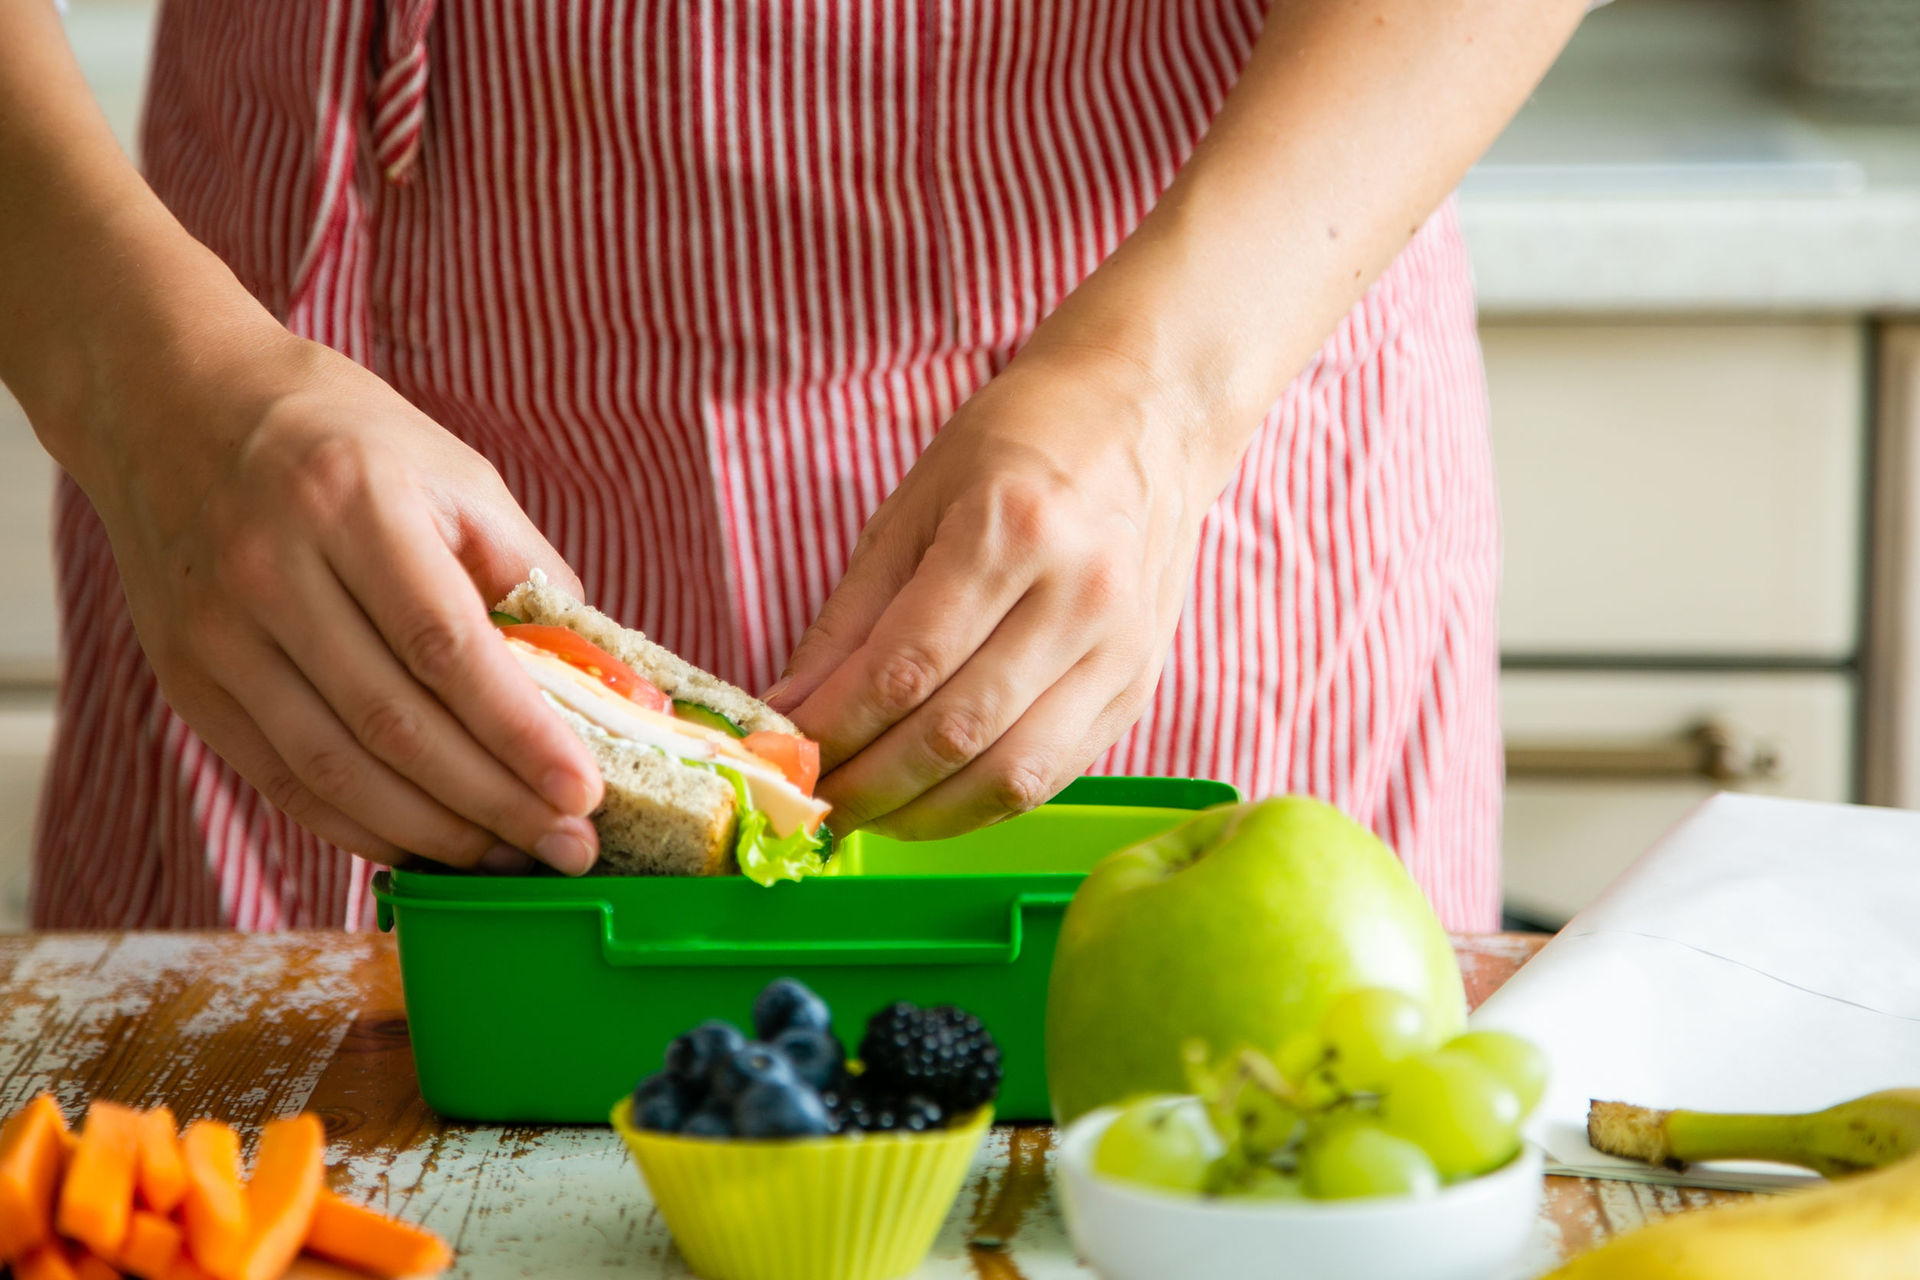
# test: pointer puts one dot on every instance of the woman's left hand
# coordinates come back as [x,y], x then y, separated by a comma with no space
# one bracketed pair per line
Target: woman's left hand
[1007,610]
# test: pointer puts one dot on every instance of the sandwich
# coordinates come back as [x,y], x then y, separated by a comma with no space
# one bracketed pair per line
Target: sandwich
[702,778]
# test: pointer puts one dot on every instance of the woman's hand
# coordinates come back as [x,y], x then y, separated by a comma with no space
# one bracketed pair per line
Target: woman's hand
[1007,610]
[307,557]
[308,560]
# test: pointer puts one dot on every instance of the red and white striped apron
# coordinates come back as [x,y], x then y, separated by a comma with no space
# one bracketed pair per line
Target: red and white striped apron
[702,278]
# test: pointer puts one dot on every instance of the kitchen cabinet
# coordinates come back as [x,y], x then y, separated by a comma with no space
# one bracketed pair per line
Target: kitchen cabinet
[1602,762]
[1685,506]
[1673,488]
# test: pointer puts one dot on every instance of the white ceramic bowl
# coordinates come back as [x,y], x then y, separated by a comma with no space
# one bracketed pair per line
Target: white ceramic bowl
[1468,1231]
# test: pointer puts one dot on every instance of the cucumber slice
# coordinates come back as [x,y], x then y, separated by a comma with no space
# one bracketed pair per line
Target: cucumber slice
[500,619]
[697,714]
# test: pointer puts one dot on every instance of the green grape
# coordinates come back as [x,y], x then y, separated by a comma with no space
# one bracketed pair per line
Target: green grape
[1158,1142]
[1264,1182]
[1263,1122]
[1359,1158]
[1463,1116]
[1370,1030]
[1517,1062]
[1299,1054]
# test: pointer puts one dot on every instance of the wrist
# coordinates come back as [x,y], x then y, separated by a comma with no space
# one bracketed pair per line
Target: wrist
[147,334]
[1163,406]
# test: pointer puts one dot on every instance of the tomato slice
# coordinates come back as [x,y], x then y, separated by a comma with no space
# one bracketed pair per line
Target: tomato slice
[577,651]
[793,755]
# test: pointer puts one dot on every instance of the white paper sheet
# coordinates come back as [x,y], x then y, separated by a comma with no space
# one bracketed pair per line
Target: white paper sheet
[1763,956]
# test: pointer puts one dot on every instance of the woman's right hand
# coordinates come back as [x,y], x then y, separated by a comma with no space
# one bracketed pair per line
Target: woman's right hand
[308,559]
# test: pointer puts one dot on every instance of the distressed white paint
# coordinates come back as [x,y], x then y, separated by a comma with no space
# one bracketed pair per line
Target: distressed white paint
[75,1003]
[520,1203]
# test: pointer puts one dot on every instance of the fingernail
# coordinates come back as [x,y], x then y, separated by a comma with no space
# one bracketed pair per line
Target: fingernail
[566,853]
[567,791]
[505,860]
[772,696]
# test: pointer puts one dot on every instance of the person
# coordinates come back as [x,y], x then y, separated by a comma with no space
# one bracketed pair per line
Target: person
[1019,389]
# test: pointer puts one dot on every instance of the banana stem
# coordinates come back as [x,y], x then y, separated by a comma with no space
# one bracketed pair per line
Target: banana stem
[1693,1136]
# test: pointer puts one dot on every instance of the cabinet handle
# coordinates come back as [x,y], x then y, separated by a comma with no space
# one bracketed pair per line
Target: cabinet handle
[1710,750]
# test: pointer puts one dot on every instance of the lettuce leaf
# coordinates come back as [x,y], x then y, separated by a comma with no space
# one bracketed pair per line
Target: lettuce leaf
[763,856]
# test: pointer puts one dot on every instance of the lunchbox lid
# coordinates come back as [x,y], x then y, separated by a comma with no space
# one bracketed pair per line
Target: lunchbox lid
[882,901]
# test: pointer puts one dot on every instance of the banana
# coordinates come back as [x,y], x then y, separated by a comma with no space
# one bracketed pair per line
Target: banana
[1867,1133]
[1863,1227]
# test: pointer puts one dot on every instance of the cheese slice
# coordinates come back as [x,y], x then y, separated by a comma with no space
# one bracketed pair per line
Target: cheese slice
[788,808]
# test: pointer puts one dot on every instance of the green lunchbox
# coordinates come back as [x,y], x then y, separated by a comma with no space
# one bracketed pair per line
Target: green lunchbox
[545,999]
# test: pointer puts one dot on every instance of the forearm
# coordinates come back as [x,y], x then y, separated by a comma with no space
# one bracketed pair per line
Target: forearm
[1349,125]
[103,296]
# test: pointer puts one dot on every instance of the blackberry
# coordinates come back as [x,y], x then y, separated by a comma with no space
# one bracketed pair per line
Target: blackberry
[870,1108]
[944,1054]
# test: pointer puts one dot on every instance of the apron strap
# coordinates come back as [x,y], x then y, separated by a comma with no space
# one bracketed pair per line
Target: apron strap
[400,95]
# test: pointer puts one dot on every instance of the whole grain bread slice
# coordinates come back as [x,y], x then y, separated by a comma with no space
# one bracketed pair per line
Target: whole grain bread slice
[537,600]
[657,816]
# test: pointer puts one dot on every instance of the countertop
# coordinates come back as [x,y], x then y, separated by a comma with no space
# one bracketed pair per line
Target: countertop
[1665,165]
[246,1027]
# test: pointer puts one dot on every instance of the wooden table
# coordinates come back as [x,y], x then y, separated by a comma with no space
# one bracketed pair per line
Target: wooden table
[246,1027]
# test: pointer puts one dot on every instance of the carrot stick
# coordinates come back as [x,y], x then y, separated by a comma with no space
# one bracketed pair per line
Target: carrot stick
[215,1205]
[161,1178]
[96,1199]
[152,1244]
[48,1262]
[183,1268]
[91,1266]
[287,1172]
[32,1149]
[370,1241]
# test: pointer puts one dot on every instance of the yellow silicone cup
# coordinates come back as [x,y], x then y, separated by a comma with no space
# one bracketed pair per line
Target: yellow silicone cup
[859,1207]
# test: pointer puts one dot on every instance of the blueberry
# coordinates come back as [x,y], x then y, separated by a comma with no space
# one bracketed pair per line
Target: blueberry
[661,1103]
[747,1066]
[780,1109]
[787,1003]
[817,1057]
[712,1120]
[691,1057]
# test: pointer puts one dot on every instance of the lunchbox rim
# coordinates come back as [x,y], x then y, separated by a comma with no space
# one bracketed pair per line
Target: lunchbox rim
[398,886]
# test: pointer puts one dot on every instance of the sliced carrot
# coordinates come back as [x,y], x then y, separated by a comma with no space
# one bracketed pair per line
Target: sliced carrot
[32,1149]
[370,1241]
[48,1262]
[96,1198]
[287,1172]
[91,1266]
[161,1178]
[215,1205]
[153,1242]
[183,1268]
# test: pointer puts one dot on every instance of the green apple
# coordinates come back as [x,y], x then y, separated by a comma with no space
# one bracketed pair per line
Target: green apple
[1238,927]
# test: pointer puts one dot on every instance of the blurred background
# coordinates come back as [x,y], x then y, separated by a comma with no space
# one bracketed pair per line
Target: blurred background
[1698,258]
